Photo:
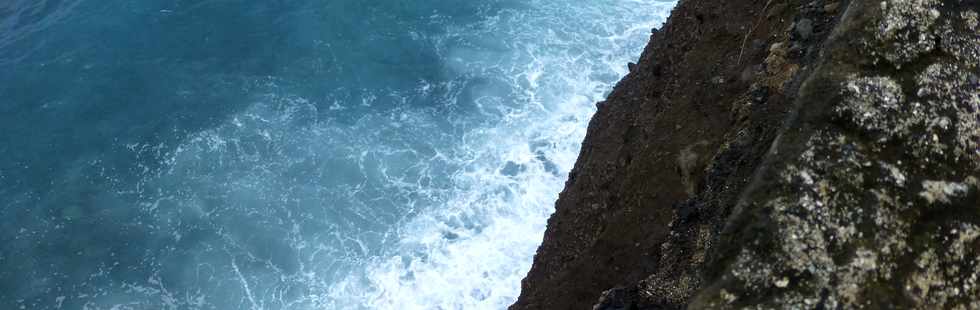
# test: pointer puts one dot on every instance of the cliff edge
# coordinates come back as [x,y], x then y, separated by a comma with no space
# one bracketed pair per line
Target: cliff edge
[779,154]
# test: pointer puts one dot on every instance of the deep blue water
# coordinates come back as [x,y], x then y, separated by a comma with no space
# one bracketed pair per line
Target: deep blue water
[292,154]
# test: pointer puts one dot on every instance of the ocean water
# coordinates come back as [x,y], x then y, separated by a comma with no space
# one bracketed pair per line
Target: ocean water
[292,154]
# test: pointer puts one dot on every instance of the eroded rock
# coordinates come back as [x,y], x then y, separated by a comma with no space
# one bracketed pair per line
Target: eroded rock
[868,197]
[876,205]
[903,30]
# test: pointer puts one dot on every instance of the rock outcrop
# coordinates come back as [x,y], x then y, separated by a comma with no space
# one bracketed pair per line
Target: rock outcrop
[780,154]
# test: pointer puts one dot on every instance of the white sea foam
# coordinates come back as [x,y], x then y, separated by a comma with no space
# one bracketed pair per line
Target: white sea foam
[473,251]
[406,208]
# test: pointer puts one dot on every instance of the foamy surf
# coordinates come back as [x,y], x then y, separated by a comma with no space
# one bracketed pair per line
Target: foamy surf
[405,181]
[473,251]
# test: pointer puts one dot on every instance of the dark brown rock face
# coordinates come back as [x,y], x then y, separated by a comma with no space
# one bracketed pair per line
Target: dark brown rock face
[780,154]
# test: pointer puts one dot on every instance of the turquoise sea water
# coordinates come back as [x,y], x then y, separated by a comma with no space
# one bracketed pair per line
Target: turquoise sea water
[292,154]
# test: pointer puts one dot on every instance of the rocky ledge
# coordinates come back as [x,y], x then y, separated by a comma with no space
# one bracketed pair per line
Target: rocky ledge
[818,154]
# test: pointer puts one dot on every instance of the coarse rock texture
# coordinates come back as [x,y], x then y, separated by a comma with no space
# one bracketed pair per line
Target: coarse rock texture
[781,154]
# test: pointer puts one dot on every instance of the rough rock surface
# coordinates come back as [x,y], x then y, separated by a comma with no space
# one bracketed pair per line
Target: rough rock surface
[780,154]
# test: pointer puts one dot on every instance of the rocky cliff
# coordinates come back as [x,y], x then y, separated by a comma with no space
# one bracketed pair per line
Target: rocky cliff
[815,154]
